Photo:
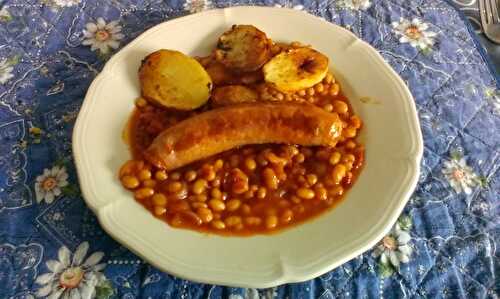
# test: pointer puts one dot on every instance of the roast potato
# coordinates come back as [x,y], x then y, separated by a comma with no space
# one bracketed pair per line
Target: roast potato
[243,48]
[174,80]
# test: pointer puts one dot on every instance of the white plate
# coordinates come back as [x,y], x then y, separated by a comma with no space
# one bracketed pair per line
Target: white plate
[391,135]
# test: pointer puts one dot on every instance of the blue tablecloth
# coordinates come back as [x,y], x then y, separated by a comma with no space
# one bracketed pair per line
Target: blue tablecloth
[443,246]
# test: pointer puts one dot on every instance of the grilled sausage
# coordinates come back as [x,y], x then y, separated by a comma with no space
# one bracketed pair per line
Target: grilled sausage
[222,129]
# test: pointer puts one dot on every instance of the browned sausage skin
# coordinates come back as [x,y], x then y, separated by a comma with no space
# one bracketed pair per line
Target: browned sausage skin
[222,129]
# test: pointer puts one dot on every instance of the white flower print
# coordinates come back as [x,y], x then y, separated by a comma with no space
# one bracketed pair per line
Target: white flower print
[5,15]
[356,4]
[5,71]
[288,5]
[415,33]
[72,277]
[460,176]
[493,97]
[48,185]
[394,247]
[66,3]
[101,36]
[194,6]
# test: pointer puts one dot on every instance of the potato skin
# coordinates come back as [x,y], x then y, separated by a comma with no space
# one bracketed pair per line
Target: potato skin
[243,48]
[174,80]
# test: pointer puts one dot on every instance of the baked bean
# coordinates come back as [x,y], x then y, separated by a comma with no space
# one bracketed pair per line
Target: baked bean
[311,179]
[302,92]
[299,158]
[218,164]
[280,96]
[270,178]
[208,173]
[286,216]
[337,191]
[178,206]
[307,152]
[271,221]
[348,158]
[252,221]
[311,100]
[348,179]
[340,107]
[216,182]
[273,158]
[192,217]
[328,78]
[130,167]
[249,194]
[205,214]
[197,205]
[218,224]
[250,164]
[334,90]
[174,187]
[149,183]
[305,193]
[161,175]
[200,197]
[234,160]
[321,193]
[159,200]
[216,193]
[176,220]
[245,209]
[355,121]
[144,193]
[261,192]
[262,160]
[349,132]
[130,182]
[239,181]
[350,144]
[295,199]
[338,173]
[190,175]
[310,91]
[233,205]
[217,205]
[199,186]
[328,107]
[175,176]
[232,221]
[319,87]
[159,210]
[334,158]
[144,174]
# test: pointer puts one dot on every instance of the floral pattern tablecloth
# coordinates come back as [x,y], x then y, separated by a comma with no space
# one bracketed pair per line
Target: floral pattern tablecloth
[444,245]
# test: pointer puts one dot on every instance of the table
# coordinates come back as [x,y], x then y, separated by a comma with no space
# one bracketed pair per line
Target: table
[444,245]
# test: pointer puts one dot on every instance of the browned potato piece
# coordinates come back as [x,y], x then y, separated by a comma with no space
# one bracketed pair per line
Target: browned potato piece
[233,94]
[172,79]
[244,48]
[219,73]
